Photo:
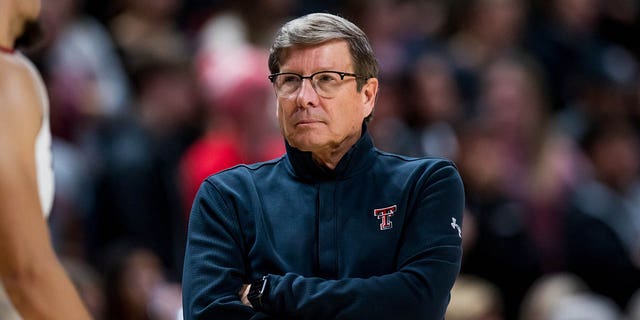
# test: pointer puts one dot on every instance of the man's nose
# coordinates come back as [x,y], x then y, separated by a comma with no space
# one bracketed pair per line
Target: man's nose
[307,95]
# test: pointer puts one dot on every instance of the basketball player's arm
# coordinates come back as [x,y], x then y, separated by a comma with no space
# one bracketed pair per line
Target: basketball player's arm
[33,277]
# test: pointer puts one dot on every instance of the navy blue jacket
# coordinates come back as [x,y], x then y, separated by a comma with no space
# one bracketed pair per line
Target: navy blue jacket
[376,238]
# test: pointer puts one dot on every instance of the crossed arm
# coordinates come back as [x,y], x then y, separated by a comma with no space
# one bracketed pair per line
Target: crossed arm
[418,289]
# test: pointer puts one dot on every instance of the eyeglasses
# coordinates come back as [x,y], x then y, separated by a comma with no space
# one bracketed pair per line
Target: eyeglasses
[325,83]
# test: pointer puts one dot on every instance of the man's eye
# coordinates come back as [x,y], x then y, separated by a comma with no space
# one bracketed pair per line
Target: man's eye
[327,77]
[290,78]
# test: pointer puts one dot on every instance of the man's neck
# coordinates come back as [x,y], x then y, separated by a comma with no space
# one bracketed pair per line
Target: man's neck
[8,27]
[331,156]
[6,40]
[329,161]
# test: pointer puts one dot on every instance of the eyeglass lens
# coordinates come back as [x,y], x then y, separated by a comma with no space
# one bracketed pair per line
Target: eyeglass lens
[325,83]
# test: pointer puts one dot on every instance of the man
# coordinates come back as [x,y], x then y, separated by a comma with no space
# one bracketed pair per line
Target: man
[34,280]
[335,229]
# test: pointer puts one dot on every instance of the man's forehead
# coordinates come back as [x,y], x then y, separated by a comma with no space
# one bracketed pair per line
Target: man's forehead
[333,53]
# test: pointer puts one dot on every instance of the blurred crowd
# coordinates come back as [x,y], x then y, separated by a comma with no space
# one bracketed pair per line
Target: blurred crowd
[536,101]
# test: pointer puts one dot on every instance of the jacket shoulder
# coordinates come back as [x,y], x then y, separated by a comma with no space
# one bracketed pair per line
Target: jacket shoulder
[244,171]
[431,164]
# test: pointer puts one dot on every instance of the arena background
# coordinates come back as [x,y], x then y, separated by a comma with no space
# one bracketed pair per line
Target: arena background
[537,102]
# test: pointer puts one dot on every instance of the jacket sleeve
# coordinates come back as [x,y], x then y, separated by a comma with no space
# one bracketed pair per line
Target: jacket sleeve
[428,264]
[214,264]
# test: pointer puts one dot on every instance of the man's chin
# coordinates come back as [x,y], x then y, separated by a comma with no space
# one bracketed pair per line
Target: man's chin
[303,143]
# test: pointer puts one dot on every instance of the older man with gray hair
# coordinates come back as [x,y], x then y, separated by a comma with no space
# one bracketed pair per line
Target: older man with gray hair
[334,229]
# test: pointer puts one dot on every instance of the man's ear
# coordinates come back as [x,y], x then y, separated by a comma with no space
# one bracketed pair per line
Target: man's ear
[369,94]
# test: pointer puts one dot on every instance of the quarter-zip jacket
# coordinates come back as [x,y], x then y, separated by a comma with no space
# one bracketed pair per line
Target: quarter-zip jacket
[378,237]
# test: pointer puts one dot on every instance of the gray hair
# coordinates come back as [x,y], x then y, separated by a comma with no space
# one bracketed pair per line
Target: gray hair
[316,28]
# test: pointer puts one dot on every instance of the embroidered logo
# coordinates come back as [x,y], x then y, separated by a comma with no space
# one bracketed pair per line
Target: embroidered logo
[455,226]
[384,215]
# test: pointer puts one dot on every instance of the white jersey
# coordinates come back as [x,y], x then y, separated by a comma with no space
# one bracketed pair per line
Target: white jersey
[44,166]
[44,169]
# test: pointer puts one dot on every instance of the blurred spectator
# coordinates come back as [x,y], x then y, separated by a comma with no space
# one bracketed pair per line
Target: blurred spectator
[388,126]
[585,307]
[72,202]
[86,84]
[382,21]
[135,166]
[147,29]
[407,38]
[519,171]
[239,125]
[263,17]
[605,90]
[473,298]
[502,252]
[540,164]
[546,293]
[435,108]
[136,286]
[621,20]
[399,31]
[633,308]
[486,29]
[84,75]
[567,42]
[603,224]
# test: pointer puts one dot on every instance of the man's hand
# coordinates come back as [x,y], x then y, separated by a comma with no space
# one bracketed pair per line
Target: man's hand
[244,291]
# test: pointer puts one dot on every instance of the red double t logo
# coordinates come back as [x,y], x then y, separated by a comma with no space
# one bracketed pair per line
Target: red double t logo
[384,215]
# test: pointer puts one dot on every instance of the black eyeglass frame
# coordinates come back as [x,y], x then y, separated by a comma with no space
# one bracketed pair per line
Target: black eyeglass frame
[273,76]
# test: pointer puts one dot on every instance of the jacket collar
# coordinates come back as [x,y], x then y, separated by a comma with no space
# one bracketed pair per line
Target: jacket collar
[359,158]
